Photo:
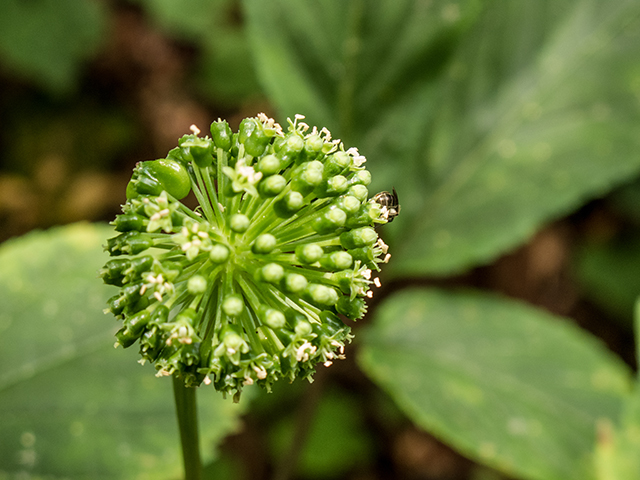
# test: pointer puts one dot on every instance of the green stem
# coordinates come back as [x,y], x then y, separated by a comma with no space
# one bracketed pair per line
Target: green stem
[287,468]
[185,398]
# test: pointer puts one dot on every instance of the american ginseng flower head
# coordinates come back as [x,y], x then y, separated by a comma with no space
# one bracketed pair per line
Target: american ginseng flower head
[248,287]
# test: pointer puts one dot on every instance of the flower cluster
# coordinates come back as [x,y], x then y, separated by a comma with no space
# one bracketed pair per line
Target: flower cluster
[248,287]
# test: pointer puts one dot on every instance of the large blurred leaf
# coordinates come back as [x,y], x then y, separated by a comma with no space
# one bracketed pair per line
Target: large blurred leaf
[71,405]
[508,385]
[486,131]
[47,40]
[617,453]
[224,69]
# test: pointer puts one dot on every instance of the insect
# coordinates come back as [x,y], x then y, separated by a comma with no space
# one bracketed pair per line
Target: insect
[390,201]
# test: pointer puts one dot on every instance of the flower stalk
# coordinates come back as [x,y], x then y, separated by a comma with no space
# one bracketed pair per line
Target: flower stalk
[187,413]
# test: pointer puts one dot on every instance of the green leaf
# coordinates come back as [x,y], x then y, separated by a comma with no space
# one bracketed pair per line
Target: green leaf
[71,404]
[617,453]
[488,124]
[47,40]
[539,115]
[343,64]
[224,69]
[508,385]
[368,71]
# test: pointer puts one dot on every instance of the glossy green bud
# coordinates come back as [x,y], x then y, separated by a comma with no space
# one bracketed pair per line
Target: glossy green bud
[332,187]
[294,283]
[197,285]
[269,165]
[128,222]
[336,163]
[313,145]
[197,149]
[360,237]
[253,136]
[336,261]
[272,186]
[221,135]
[308,254]
[364,216]
[125,337]
[353,309]
[137,323]
[289,204]
[233,305]
[271,273]
[219,253]
[139,265]
[359,191]
[361,177]
[329,221]
[290,147]
[264,244]
[321,294]
[160,315]
[271,317]
[112,272]
[172,176]
[239,223]
[306,177]
[349,204]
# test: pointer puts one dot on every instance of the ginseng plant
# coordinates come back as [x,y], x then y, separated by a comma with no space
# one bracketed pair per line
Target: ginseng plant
[249,286]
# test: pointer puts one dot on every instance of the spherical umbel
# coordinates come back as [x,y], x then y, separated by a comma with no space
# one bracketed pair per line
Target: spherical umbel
[249,287]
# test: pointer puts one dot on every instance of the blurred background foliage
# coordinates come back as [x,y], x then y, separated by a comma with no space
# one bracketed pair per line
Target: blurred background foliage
[509,130]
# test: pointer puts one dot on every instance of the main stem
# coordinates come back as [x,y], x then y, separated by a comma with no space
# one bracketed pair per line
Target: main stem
[185,398]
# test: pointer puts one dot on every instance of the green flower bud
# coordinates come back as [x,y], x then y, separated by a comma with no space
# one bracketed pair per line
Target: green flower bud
[264,243]
[112,272]
[361,192]
[199,150]
[244,289]
[269,165]
[128,222]
[221,135]
[272,273]
[272,318]
[362,177]
[321,294]
[360,237]
[219,253]
[306,177]
[137,323]
[272,186]
[329,221]
[197,285]
[313,145]
[309,253]
[289,204]
[352,309]
[340,260]
[294,283]
[332,187]
[253,136]
[233,305]
[239,223]
[164,174]
[337,163]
